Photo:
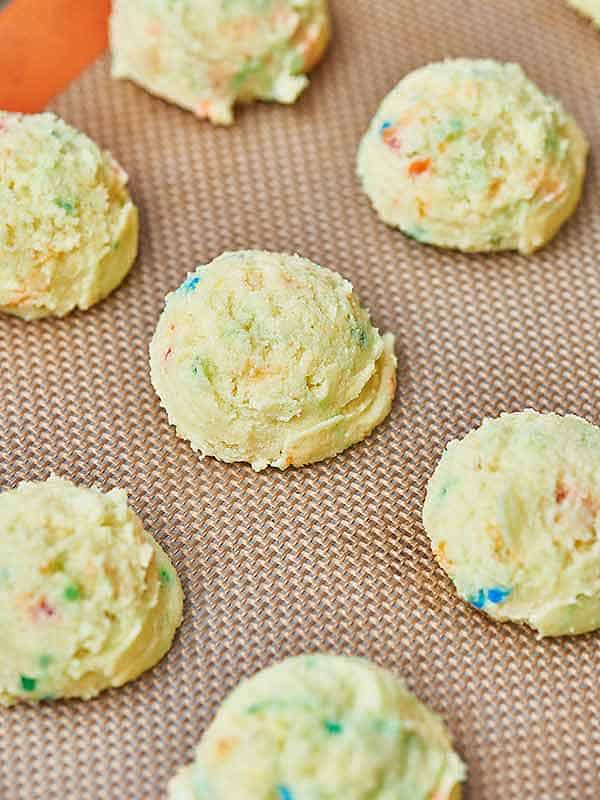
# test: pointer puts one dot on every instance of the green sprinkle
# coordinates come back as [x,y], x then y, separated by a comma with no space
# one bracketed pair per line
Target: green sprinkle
[388,727]
[204,366]
[417,232]
[72,593]
[267,705]
[332,727]
[297,63]
[45,660]
[164,576]
[258,6]
[251,69]
[65,205]
[496,241]
[448,130]
[116,245]
[28,684]
[552,141]
[447,486]
[359,334]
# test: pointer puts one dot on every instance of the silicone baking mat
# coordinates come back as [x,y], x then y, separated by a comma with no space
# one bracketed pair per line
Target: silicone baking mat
[332,556]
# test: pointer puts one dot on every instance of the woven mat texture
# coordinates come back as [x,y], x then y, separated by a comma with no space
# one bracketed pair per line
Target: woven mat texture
[332,556]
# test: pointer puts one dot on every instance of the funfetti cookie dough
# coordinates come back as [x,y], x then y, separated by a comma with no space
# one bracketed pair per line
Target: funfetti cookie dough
[68,228]
[271,359]
[469,154]
[207,55]
[318,727]
[591,8]
[513,514]
[88,600]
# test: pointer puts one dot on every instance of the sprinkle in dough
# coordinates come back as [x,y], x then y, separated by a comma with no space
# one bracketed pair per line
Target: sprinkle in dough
[270,359]
[207,55]
[322,727]
[68,228]
[469,154]
[88,600]
[513,514]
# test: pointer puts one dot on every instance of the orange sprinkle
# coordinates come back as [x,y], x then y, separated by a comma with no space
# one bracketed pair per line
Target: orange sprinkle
[203,109]
[561,492]
[390,138]
[153,29]
[419,166]
[224,747]
[495,187]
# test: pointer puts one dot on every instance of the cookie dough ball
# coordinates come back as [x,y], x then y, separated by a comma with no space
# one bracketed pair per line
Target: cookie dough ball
[68,229]
[513,514]
[470,154]
[207,55]
[322,726]
[88,600]
[270,359]
[591,9]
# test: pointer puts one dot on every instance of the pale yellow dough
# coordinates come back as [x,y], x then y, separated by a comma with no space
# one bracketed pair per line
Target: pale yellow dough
[269,358]
[513,514]
[88,600]
[207,55]
[320,727]
[68,228]
[591,8]
[470,154]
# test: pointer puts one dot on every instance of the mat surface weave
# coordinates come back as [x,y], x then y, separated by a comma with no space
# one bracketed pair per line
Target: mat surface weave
[329,557]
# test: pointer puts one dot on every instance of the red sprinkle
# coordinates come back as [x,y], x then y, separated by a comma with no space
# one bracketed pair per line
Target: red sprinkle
[42,610]
[561,493]
[419,166]
[168,353]
[390,138]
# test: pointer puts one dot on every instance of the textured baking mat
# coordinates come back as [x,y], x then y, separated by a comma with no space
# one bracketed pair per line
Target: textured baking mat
[333,556]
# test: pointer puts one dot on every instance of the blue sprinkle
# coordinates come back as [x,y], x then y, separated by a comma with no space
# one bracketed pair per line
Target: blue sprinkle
[497,594]
[190,283]
[387,124]
[484,596]
[284,793]
[332,727]
[477,600]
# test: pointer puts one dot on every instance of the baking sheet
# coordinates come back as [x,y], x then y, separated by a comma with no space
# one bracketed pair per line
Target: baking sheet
[333,556]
